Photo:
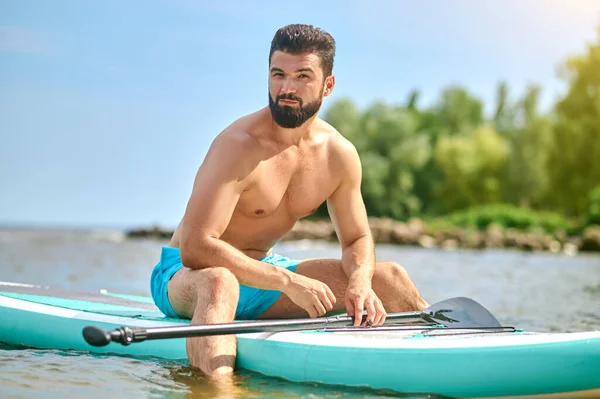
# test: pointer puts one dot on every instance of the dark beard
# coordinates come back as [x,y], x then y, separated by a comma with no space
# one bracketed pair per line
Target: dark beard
[289,117]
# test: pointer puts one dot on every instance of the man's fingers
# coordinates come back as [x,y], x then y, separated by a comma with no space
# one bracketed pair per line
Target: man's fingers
[320,309]
[325,301]
[359,306]
[312,312]
[331,296]
[381,313]
[371,313]
[349,307]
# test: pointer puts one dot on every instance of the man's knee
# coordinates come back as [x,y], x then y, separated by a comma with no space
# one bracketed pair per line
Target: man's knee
[392,271]
[188,287]
[395,277]
[219,280]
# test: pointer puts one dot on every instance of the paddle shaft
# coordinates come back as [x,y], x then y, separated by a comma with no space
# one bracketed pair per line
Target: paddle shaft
[453,313]
[127,335]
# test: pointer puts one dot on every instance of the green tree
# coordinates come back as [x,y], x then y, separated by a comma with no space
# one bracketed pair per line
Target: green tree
[392,134]
[472,165]
[455,113]
[574,159]
[529,134]
[593,213]
[504,115]
[391,149]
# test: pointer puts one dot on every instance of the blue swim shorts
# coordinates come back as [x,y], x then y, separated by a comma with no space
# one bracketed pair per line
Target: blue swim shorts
[252,303]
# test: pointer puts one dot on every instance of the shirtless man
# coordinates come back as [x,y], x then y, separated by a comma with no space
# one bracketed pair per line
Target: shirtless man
[261,174]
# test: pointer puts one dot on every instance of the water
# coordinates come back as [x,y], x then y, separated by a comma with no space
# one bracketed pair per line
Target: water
[535,291]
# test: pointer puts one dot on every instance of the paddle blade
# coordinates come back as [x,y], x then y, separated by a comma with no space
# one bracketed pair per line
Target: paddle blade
[461,312]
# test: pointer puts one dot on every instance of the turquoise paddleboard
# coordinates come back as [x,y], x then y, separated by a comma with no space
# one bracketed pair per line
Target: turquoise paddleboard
[459,363]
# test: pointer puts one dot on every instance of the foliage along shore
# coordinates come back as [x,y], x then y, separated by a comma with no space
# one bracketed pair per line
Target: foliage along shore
[430,160]
[416,232]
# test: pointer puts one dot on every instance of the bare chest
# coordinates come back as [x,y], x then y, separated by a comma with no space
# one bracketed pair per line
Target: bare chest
[287,188]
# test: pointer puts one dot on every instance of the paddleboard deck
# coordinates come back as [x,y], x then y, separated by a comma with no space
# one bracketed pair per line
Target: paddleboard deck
[461,363]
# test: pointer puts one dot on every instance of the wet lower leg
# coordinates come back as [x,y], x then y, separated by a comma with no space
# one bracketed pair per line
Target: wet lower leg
[213,355]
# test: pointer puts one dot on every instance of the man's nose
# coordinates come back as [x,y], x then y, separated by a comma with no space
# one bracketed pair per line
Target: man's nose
[288,86]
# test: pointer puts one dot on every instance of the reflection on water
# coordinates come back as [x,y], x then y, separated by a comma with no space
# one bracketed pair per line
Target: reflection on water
[535,291]
[593,289]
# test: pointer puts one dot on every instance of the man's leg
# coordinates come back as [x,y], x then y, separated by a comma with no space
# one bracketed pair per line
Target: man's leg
[391,283]
[207,296]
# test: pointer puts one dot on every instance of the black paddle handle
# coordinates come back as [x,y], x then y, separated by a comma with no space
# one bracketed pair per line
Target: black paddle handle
[124,335]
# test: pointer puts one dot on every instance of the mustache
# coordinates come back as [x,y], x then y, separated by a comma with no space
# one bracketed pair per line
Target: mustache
[288,97]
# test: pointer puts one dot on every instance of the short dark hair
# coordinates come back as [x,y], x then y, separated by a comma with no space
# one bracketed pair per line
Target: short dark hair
[300,38]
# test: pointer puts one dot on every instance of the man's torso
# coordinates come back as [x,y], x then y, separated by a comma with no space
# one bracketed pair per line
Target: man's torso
[289,183]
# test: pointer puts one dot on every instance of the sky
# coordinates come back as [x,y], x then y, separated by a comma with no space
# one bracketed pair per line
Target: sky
[107,108]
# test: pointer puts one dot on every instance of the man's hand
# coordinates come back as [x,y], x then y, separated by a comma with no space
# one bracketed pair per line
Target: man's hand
[311,295]
[360,296]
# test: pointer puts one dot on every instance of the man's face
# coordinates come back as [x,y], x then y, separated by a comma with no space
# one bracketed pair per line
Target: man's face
[296,88]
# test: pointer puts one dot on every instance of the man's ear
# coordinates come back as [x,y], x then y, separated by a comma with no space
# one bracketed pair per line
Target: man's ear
[329,84]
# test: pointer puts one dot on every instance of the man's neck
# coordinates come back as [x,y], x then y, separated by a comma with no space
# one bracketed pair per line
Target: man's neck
[293,137]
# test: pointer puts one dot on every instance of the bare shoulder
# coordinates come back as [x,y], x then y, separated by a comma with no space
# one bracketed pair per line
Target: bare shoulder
[236,137]
[340,150]
[234,152]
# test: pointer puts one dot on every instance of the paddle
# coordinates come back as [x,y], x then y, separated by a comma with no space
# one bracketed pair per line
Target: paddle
[455,313]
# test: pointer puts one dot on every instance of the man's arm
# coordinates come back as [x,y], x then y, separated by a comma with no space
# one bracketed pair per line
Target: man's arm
[218,185]
[349,216]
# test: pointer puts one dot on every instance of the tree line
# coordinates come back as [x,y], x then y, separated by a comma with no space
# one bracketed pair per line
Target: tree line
[451,156]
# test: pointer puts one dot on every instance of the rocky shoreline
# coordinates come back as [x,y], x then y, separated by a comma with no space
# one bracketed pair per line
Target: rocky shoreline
[417,233]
